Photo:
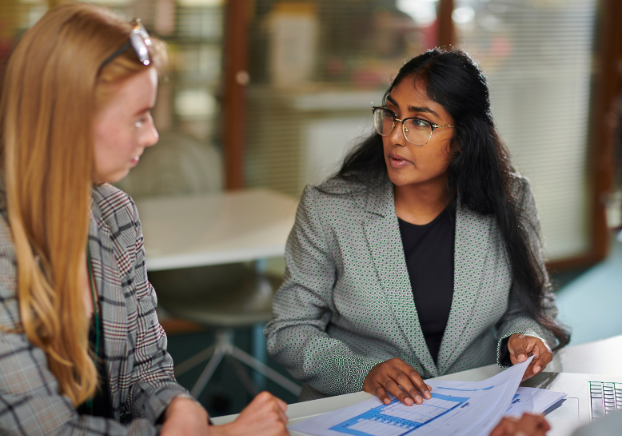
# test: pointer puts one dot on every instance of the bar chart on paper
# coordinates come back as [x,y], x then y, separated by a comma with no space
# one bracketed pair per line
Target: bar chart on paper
[455,409]
[396,419]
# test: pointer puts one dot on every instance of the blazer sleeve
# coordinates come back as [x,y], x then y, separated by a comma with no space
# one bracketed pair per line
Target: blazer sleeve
[296,336]
[153,381]
[29,400]
[515,320]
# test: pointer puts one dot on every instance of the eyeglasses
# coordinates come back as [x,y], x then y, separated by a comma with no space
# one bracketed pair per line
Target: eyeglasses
[140,41]
[416,131]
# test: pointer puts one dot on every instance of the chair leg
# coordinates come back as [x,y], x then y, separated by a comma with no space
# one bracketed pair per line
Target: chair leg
[265,370]
[193,361]
[243,376]
[259,352]
[207,372]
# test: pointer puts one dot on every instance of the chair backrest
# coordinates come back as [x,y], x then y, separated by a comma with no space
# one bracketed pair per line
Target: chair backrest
[178,164]
[231,288]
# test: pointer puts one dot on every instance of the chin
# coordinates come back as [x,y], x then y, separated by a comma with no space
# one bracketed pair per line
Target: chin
[113,178]
[119,177]
[401,179]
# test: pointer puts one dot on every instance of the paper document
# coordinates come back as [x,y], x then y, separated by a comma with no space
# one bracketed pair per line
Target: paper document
[455,409]
[533,400]
[397,419]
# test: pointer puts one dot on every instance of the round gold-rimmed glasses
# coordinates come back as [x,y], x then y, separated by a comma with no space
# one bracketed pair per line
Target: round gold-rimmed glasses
[416,131]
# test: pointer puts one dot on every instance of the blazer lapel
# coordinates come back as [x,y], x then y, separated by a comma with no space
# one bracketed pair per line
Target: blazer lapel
[112,304]
[385,244]
[470,249]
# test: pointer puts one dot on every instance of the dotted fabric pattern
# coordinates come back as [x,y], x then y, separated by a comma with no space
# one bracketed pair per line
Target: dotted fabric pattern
[346,303]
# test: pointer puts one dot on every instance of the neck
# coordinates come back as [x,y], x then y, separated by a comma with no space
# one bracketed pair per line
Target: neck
[421,203]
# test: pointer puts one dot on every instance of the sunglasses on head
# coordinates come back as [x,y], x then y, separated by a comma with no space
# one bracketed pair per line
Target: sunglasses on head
[139,41]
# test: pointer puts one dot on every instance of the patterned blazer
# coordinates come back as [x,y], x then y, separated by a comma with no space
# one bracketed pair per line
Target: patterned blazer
[346,303]
[139,369]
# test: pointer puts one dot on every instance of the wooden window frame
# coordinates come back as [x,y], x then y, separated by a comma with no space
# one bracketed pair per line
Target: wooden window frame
[236,78]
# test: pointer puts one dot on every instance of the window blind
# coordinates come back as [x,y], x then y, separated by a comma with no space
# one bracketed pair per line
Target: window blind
[537,58]
[315,69]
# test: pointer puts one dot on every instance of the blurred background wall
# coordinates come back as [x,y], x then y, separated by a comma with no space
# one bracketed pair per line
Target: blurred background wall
[272,93]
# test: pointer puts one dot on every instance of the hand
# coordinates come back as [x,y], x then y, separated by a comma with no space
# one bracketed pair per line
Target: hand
[389,376]
[184,416]
[522,346]
[264,416]
[527,425]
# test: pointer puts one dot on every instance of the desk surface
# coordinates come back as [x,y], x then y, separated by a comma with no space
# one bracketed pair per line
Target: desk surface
[213,229]
[599,357]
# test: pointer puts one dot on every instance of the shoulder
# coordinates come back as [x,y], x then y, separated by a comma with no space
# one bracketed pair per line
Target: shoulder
[519,185]
[9,312]
[339,187]
[7,251]
[520,189]
[115,209]
[335,196]
[110,200]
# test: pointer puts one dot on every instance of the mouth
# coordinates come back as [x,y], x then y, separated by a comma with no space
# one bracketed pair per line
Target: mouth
[397,161]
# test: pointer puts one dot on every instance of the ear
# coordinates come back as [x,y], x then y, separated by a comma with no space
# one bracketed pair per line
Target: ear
[454,147]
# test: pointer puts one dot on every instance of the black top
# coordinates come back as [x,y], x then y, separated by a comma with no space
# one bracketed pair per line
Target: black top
[429,252]
[101,405]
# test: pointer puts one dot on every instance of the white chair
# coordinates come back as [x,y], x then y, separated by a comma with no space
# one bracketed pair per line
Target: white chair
[177,165]
[224,297]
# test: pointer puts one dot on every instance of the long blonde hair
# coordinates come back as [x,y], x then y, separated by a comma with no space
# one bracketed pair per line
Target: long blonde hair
[53,88]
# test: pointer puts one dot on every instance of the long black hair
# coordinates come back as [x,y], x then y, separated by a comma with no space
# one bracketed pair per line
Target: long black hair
[480,172]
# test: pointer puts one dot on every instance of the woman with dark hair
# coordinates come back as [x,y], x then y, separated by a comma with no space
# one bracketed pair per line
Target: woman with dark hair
[421,257]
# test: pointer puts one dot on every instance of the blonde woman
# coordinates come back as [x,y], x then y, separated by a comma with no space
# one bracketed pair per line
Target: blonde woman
[81,349]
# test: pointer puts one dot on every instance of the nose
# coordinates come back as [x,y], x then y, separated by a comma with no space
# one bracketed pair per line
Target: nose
[151,136]
[397,135]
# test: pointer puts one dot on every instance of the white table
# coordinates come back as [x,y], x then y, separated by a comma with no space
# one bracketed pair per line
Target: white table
[212,229]
[599,357]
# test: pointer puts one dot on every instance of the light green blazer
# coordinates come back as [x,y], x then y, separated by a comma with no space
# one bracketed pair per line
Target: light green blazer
[346,303]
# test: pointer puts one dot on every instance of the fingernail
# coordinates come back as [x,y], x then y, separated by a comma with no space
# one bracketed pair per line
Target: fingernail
[409,402]
[386,401]
[427,395]
[418,399]
[521,357]
[537,369]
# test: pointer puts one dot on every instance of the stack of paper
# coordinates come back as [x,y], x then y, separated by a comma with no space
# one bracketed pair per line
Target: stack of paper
[455,409]
[533,400]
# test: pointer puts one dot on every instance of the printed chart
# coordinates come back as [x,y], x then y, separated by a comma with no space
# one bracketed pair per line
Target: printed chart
[397,419]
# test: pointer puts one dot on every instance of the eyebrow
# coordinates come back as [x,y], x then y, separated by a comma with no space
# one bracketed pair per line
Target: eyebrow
[414,108]
[142,111]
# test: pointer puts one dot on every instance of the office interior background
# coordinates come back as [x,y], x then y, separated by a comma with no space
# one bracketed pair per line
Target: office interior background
[272,94]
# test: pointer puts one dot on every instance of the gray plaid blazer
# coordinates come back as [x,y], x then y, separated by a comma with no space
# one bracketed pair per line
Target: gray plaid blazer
[346,303]
[139,369]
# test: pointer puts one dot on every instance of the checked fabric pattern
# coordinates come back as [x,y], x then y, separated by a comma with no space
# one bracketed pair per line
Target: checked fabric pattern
[139,369]
[346,303]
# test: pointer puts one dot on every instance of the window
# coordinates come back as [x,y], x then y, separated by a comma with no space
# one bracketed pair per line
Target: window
[315,69]
[537,57]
